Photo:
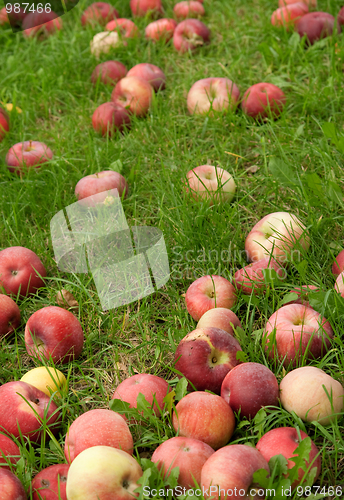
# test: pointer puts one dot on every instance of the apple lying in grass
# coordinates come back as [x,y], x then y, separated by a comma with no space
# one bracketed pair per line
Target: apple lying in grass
[231,469]
[9,315]
[185,9]
[104,42]
[186,453]
[26,411]
[339,284]
[312,394]
[47,379]
[125,27]
[206,417]
[220,317]
[162,29]
[140,8]
[10,486]
[210,183]
[21,271]
[150,73]
[338,264]
[249,387]
[101,182]
[103,472]
[134,94]
[41,23]
[255,277]
[154,389]
[4,123]
[9,452]
[190,34]
[262,100]
[205,356]
[54,333]
[110,117]
[296,332]
[99,427]
[279,234]
[50,483]
[26,155]
[98,13]
[210,95]
[317,25]
[108,72]
[288,15]
[208,292]
[284,441]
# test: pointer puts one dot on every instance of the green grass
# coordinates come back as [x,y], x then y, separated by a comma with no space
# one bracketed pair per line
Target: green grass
[298,169]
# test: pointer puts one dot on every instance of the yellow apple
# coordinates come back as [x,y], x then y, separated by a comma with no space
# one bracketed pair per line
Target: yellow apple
[46,379]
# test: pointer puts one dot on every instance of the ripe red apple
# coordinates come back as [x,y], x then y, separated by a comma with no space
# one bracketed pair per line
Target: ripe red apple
[26,411]
[263,99]
[205,356]
[140,8]
[20,271]
[312,394]
[98,13]
[210,183]
[50,483]
[3,17]
[9,452]
[10,486]
[99,427]
[289,14]
[108,72]
[186,9]
[162,29]
[109,117]
[249,387]
[54,333]
[231,469]
[295,332]
[210,95]
[4,123]
[207,293]
[190,34]
[253,278]
[9,315]
[316,25]
[101,182]
[125,27]
[220,317]
[28,154]
[339,284]
[134,94]
[146,384]
[186,453]
[278,234]
[284,441]
[150,73]
[338,265]
[41,23]
[206,417]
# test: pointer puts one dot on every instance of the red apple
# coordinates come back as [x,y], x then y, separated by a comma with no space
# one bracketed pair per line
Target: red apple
[249,387]
[28,154]
[54,333]
[207,293]
[109,117]
[125,27]
[101,182]
[20,271]
[162,29]
[150,73]
[99,427]
[284,441]
[190,34]
[9,315]
[10,486]
[3,17]
[134,94]
[205,356]
[26,411]
[253,278]
[220,317]
[108,72]
[228,473]
[210,183]
[316,25]
[212,94]
[140,8]
[263,99]
[288,15]
[41,23]
[186,453]
[295,332]
[98,13]
[50,483]
[338,265]
[4,123]
[9,452]
[206,417]
[186,9]
[143,383]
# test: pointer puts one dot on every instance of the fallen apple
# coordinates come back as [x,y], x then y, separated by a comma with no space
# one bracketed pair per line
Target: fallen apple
[263,100]
[47,379]
[220,317]
[98,13]
[150,73]
[108,72]
[185,9]
[190,34]
[26,155]
[109,117]
[101,182]
[50,483]
[162,29]
[124,27]
[9,315]
[134,94]
[211,95]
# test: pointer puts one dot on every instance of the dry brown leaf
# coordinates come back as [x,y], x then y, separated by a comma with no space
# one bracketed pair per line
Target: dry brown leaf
[253,169]
[66,300]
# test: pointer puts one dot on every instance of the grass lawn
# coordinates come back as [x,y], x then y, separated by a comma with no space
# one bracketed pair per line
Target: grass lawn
[293,164]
